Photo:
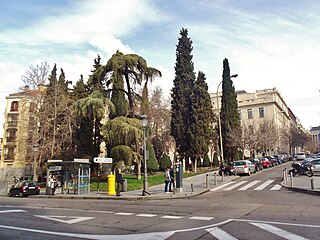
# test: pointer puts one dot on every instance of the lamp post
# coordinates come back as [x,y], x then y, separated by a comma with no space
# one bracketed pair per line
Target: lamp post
[35,149]
[144,123]
[219,120]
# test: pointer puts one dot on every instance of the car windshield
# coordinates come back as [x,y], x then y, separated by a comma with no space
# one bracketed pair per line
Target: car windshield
[240,163]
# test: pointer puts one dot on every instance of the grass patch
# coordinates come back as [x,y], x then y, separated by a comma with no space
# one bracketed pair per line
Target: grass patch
[134,184]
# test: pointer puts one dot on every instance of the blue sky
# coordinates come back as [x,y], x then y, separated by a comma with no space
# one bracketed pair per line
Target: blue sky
[268,43]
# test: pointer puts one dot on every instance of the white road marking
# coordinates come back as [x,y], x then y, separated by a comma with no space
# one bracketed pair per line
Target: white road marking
[65,219]
[276,187]
[12,211]
[220,234]
[171,217]
[221,186]
[279,232]
[146,215]
[249,185]
[124,213]
[264,185]
[201,218]
[234,186]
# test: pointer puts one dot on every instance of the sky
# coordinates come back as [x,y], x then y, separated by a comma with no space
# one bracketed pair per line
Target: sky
[267,43]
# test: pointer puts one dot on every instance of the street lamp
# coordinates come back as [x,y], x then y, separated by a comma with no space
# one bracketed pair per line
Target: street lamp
[144,123]
[35,149]
[219,119]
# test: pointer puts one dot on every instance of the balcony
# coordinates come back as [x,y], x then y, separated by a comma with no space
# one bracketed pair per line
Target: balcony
[13,123]
[11,139]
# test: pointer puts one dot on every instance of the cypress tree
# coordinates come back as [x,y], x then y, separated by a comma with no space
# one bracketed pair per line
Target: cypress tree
[181,92]
[229,114]
[201,119]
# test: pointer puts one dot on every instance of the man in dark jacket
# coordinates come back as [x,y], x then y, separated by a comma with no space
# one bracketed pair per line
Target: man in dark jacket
[171,185]
[119,181]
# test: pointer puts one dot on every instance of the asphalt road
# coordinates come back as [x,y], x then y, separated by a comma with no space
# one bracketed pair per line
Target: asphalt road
[252,207]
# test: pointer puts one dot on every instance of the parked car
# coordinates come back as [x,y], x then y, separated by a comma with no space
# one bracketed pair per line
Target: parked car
[301,155]
[315,164]
[265,162]
[257,164]
[310,158]
[273,160]
[279,159]
[244,167]
[24,189]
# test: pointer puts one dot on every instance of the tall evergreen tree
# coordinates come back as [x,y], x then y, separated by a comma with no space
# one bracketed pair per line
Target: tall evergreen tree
[230,121]
[181,92]
[201,119]
[97,78]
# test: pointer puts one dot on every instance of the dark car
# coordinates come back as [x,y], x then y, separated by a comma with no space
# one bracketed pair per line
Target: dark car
[24,189]
[257,163]
[273,160]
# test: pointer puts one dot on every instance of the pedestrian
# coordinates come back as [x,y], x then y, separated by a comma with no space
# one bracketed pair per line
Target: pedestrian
[172,185]
[53,184]
[166,180]
[119,181]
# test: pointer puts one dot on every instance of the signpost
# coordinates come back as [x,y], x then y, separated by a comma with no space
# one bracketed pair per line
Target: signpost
[100,161]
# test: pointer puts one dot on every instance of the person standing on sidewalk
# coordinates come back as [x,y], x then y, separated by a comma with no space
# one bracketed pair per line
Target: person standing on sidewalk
[119,181]
[167,180]
[172,185]
[53,184]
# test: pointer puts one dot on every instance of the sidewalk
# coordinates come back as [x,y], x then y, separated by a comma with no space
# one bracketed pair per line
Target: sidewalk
[192,186]
[303,183]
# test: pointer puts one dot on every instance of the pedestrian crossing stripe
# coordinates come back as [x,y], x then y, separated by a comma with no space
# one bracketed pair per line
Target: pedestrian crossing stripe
[245,185]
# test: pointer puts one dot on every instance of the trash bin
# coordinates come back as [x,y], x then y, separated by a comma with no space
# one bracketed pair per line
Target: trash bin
[124,185]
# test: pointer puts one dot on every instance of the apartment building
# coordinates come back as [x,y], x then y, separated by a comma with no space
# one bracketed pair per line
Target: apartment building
[315,133]
[17,153]
[263,106]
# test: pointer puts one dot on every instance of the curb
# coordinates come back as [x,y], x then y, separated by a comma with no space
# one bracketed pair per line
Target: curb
[303,190]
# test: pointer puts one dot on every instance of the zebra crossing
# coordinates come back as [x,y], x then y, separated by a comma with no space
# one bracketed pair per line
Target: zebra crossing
[256,185]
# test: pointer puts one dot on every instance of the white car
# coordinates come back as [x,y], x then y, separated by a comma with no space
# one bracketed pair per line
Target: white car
[301,156]
[315,164]
[244,167]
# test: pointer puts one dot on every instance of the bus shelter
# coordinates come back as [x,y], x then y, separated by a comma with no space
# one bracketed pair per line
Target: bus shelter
[73,177]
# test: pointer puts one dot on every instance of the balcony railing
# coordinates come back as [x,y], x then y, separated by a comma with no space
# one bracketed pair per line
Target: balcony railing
[12,123]
[11,139]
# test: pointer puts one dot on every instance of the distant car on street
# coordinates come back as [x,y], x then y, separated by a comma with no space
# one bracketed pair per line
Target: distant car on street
[244,167]
[24,189]
[301,155]
[315,164]
[265,162]
[257,164]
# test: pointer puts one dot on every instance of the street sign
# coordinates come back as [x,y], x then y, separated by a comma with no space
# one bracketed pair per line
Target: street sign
[81,160]
[102,160]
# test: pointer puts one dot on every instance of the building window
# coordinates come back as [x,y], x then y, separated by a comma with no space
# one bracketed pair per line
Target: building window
[261,112]
[14,106]
[250,115]
[239,114]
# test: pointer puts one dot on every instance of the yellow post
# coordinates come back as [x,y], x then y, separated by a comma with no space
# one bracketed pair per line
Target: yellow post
[111,184]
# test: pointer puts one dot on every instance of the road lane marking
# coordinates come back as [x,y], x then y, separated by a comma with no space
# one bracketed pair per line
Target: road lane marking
[220,234]
[12,211]
[124,214]
[234,186]
[276,187]
[277,231]
[171,217]
[264,185]
[249,185]
[146,215]
[201,218]
[221,186]
[65,219]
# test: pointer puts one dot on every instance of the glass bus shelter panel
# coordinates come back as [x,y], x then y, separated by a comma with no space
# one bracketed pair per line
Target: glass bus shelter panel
[84,179]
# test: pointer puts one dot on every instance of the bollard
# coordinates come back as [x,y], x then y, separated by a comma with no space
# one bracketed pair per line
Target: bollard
[191,187]
[284,177]
[291,179]
[215,179]
[286,172]
[312,186]
[207,181]
[222,175]
[111,184]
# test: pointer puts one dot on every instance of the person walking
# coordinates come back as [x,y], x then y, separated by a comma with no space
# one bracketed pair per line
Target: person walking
[172,185]
[119,181]
[166,180]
